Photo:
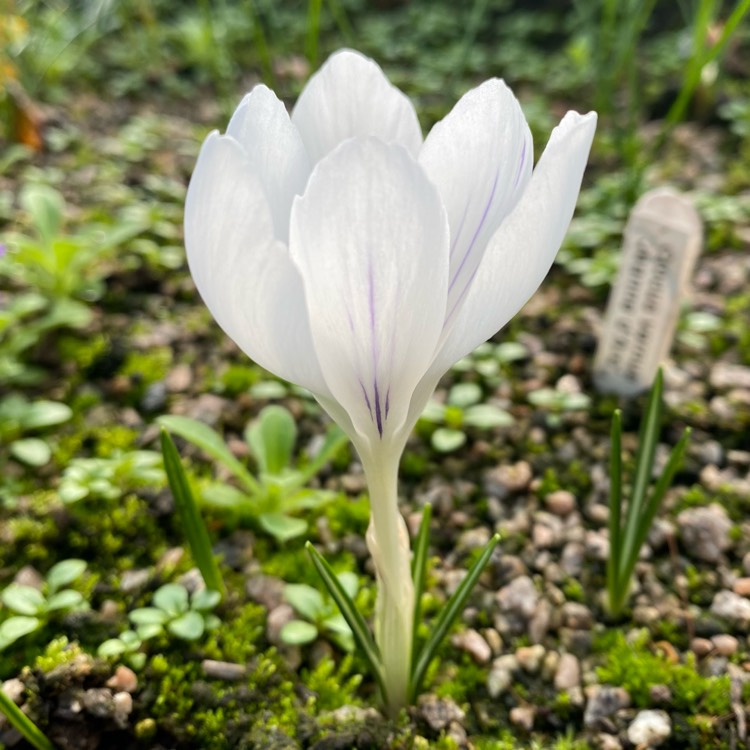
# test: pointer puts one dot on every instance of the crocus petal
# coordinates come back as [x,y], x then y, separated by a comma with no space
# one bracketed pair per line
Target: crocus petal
[274,150]
[350,96]
[243,273]
[480,157]
[521,251]
[370,237]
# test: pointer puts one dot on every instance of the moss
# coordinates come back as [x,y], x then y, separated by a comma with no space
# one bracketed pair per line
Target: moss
[239,635]
[127,535]
[58,651]
[333,685]
[348,516]
[634,666]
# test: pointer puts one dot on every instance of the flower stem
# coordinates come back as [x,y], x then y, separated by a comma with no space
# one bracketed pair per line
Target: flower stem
[388,542]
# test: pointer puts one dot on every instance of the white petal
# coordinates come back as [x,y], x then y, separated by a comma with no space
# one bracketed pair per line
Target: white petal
[350,96]
[370,237]
[522,250]
[480,157]
[243,273]
[274,151]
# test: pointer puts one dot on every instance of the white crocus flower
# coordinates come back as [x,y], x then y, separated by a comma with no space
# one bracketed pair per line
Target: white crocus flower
[345,254]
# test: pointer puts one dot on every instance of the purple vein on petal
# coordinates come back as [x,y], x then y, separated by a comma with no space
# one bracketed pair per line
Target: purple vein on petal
[374,351]
[378,412]
[456,237]
[476,233]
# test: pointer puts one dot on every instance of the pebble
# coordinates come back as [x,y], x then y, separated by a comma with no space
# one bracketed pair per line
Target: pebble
[99,702]
[123,707]
[741,586]
[725,644]
[530,658]
[29,576]
[439,712]
[701,646]
[568,673]
[223,670]
[14,689]
[725,375]
[577,616]
[730,606]
[649,728]
[123,680]
[500,675]
[519,597]
[603,702]
[134,580]
[473,644]
[571,559]
[560,502]
[277,618]
[507,479]
[266,590]
[523,717]
[705,532]
[179,378]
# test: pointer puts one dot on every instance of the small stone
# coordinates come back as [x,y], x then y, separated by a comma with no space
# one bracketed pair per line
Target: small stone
[179,378]
[649,728]
[277,618]
[223,670]
[577,616]
[505,480]
[265,590]
[350,714]
[568,673]
[523,717]
[29,576]
[133,580]
[606,741]
[124,679]
[705,532]
[725,375]
[155,397]
[14,689]
[500,675]
[123,707]
[561,502]
[603,702]
[473,644]
[571,560]
[439,712]
[530,658]
[725,644]
[742,585]
[519,597]
[540,622]
[730,606]
[457,733]
[701,647]
[660,694]
[99,702]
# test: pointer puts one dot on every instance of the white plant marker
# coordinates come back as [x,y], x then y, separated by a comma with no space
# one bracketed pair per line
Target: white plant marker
[663,239]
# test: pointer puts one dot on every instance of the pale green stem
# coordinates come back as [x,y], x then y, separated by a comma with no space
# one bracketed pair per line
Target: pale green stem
[388,542]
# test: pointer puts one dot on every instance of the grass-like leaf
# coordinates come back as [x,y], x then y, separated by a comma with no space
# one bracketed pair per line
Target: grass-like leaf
[211,442]
[351,614]
[18,719]
[615,505]
[192,521]
[446,618]
[419,570]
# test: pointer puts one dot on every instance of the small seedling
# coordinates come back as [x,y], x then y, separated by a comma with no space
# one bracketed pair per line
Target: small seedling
[463,408]
[629,524]
[19,416]
[320,615]
[110,478]
[34,608]
[174,610]
[279,488]
[127,646]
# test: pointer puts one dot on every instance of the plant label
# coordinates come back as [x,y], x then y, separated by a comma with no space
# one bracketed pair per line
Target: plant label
[663,238]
